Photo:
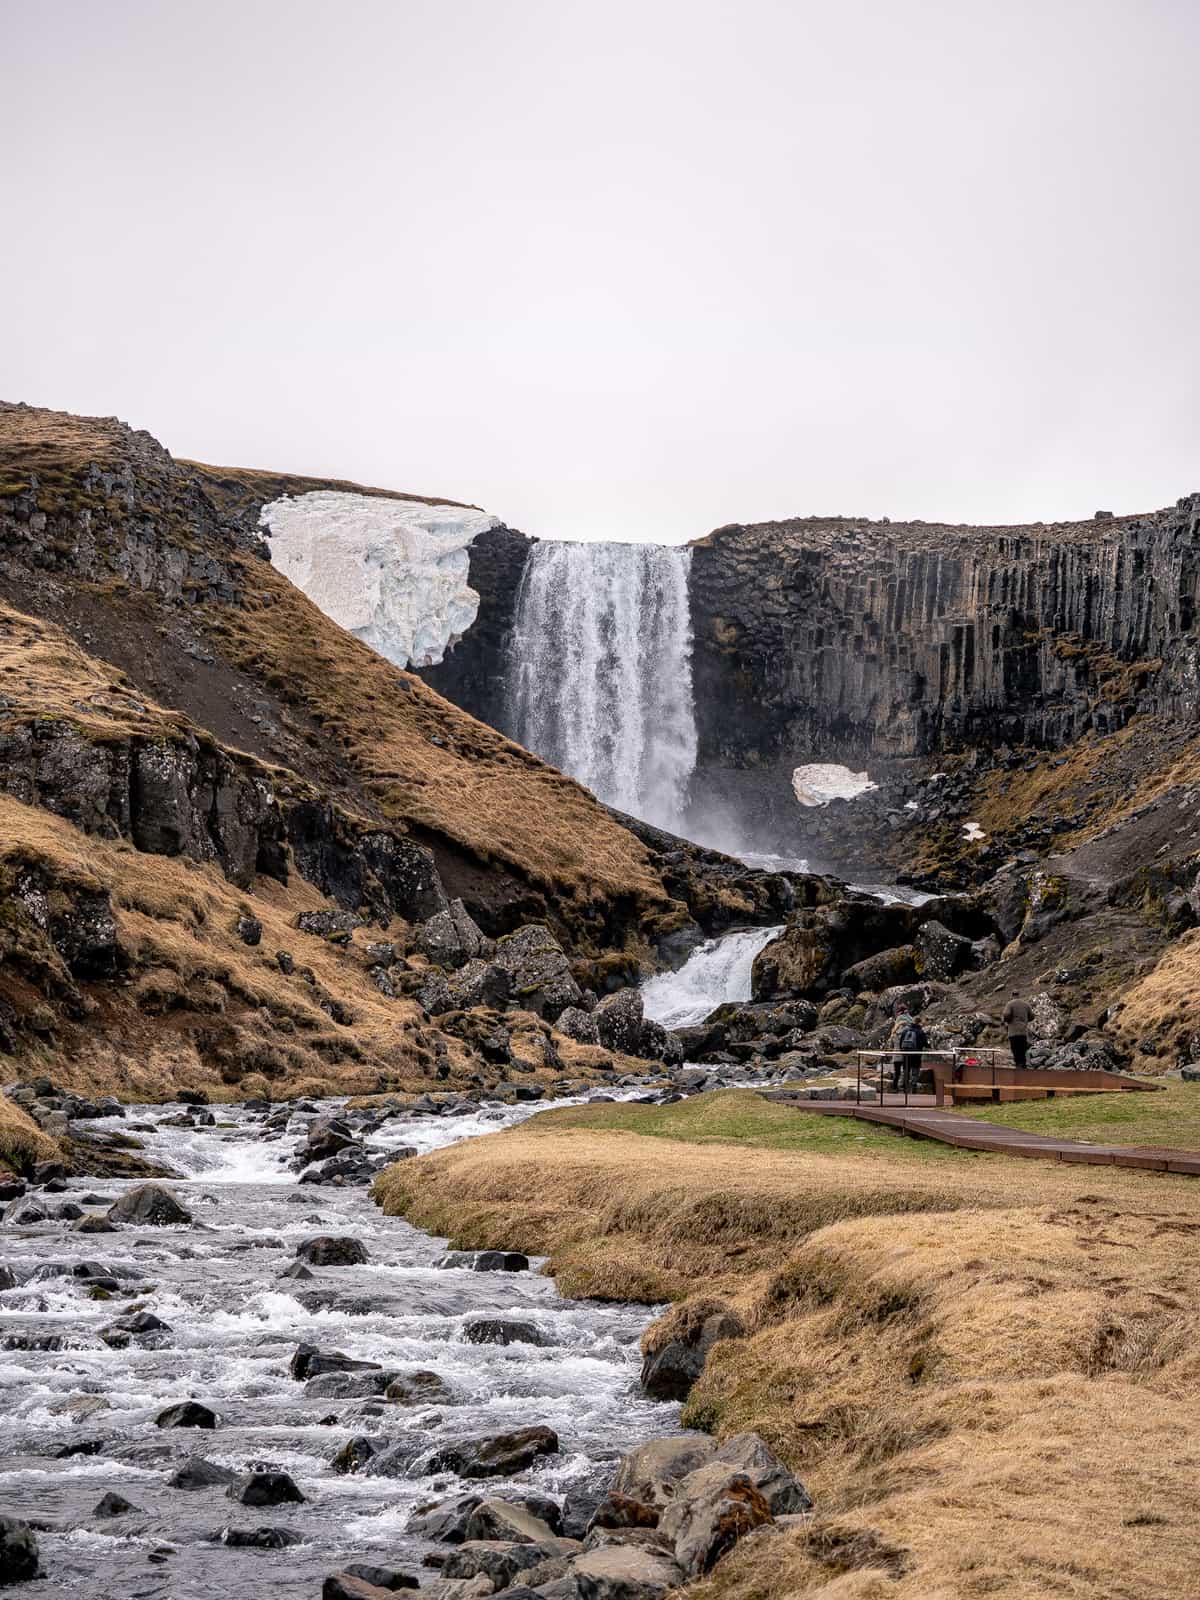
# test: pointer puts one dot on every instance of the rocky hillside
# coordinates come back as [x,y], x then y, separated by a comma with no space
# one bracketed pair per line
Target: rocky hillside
[227,824]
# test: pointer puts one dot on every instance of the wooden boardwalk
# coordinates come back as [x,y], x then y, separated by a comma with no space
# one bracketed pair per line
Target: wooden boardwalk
[922,1118]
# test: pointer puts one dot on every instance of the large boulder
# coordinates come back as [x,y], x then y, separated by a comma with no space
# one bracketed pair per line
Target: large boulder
[18,1552]
[187,1414]
[501,1561]
[196,1473]
[885,970]
[505,1520]
[650,1473]
[502,1330]
[494,1455]
[389,1579]
[332,1250]
[309,1362]
[451,938]
[538,971]
[657,1044]
[619,1020]
[624,1572]
[820,944]
[148,1206]
[705,1520]
[673,1366]
[266,1489]
[749,1454]
[479,983]
[943,954]
[419,1389]
[327,1137]
[579,1025]
[1051,1022]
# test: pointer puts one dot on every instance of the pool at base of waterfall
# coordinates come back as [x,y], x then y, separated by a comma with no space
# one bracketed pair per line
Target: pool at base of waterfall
[80,1415]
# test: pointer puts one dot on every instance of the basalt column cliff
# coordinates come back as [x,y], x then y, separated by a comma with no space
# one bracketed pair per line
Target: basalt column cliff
[895,647]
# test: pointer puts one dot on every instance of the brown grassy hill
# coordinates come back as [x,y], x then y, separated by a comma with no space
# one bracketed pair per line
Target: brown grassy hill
[186,741]
[131,553]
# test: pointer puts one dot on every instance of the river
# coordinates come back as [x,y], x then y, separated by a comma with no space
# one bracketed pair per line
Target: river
[234,1324]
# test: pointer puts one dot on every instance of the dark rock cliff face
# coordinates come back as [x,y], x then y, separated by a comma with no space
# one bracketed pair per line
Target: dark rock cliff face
[892,645]
[882,643]
[474,673]
[189,797]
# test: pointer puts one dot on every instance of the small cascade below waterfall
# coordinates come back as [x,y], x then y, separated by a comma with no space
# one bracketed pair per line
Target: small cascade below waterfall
[715,974]
[600,672]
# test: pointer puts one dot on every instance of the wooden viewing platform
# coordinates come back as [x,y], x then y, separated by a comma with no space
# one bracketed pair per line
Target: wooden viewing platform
[922,1118]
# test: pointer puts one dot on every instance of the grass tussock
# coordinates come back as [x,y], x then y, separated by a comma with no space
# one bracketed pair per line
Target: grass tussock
[984,1369]
[22,1142]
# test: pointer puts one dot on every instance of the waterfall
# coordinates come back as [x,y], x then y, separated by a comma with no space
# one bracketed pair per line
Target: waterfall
[600,679]
[715,974]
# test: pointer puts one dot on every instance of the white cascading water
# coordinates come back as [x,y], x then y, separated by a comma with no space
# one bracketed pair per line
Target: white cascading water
[601,672]
[716,973]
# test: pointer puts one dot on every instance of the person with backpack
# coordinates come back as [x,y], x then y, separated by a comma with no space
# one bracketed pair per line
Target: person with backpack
[902,1018]
[912,1040]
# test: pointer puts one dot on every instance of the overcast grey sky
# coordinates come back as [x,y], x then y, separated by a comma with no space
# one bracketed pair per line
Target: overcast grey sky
[621,269]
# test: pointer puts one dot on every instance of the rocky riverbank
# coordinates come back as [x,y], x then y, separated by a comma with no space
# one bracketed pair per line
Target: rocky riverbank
[243,1375]
[921,1336]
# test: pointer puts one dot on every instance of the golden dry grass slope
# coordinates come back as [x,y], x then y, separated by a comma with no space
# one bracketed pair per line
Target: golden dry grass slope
[984,1369]
[192,1005]
[152,566]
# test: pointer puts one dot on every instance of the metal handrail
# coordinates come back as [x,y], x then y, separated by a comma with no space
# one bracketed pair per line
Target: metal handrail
[957,1056]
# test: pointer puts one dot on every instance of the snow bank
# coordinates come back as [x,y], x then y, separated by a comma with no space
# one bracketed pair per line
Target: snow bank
[818,784]
[391,572]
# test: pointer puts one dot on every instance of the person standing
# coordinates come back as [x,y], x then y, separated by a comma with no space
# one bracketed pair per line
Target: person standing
[913,1040]
[902,1019]
[1018,1014]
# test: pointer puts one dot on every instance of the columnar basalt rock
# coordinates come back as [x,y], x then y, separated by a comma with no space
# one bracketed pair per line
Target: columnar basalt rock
[871,642]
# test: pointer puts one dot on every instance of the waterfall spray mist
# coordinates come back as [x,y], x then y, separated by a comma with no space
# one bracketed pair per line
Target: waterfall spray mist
[601,672]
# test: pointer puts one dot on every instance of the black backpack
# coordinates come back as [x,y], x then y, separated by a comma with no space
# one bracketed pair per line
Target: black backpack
[913,1038]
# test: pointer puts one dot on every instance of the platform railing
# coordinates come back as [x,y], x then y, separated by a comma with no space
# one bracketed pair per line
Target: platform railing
[958,1058]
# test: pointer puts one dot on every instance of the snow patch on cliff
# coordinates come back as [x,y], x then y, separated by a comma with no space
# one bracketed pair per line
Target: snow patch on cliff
[819,783]
[391,572]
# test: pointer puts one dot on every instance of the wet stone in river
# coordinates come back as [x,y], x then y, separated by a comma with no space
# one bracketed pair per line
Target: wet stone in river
[214,1318]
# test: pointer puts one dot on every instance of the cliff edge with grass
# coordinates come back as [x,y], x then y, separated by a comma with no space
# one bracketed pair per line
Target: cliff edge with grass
[225,820]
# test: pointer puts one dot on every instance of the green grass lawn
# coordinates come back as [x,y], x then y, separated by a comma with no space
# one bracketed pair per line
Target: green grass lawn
[742,1116]
[1168,1116]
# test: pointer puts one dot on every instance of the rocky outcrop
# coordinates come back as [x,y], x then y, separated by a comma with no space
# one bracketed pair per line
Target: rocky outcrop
[475,672]
[842,639]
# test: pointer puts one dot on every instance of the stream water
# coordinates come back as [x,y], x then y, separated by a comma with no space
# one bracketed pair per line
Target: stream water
[233,1325]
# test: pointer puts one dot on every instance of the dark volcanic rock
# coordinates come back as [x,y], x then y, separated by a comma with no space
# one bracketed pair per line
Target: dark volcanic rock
[112,1505]
[538,971]
[495,1455]
[502,1330]
[329,1250]
[187,1414]
[260,1538]
[18,1552]
[309,1362]
[149,1205]
[669,1373]
[197,1473]
[266,1489]
[619,1019]
[390,1578]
